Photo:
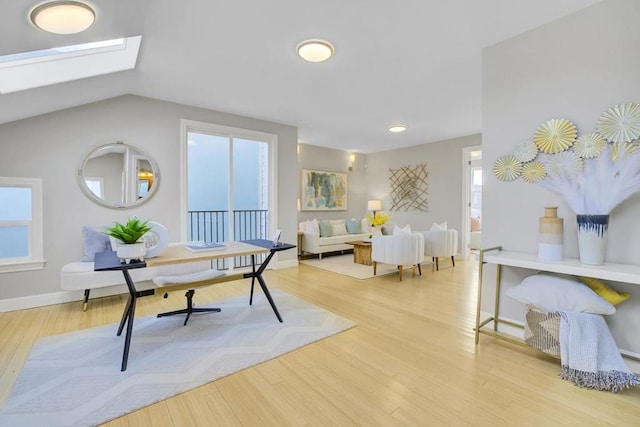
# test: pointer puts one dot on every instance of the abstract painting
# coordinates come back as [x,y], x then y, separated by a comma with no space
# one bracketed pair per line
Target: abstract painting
[323,191]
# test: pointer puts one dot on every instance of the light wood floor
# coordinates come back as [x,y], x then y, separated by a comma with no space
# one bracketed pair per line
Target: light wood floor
[411,361]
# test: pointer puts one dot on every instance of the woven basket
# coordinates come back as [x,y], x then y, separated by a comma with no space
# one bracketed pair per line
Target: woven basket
[542,331]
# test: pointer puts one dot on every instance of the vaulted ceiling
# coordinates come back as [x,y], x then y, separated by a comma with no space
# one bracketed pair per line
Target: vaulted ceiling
[416,62]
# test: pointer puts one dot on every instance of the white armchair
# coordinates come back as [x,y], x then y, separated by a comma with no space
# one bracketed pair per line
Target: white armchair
[440,243]
[400,250]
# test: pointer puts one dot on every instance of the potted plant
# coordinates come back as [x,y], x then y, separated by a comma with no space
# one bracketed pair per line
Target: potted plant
[129,234]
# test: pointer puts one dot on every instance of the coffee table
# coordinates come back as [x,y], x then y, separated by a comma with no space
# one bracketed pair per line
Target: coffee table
[361,252]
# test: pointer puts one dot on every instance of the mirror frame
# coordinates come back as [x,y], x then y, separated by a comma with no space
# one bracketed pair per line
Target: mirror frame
[91,195]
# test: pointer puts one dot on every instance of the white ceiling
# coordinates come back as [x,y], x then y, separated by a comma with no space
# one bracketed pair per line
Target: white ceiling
[416,62]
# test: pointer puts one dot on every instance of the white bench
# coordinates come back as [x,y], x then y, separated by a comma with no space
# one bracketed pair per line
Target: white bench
[78,276]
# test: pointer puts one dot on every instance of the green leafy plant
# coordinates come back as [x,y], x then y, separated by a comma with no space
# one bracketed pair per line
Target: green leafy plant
[130,232]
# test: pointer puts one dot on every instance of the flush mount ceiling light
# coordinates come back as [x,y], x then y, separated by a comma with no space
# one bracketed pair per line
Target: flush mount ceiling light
[315,50]
[397,128]
[63,17]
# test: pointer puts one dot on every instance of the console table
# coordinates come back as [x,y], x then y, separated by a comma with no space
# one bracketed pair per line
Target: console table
[173,255]
[626,273]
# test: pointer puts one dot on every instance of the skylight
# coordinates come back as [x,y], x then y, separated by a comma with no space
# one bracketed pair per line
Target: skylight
[84,47]
[27,70]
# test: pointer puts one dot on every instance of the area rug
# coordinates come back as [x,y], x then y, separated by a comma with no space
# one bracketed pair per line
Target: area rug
[343,264]
[75,380]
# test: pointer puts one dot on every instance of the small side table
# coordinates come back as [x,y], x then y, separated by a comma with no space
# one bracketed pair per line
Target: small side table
[361,252]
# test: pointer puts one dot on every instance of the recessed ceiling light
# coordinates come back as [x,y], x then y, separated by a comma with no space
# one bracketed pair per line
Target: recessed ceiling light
[63,17]
[315,50]
[397,128]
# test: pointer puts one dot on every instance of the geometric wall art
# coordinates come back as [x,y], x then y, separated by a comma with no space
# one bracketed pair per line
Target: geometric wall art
[409,188]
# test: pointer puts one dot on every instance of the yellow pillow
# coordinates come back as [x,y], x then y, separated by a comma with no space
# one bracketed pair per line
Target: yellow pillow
[604,290]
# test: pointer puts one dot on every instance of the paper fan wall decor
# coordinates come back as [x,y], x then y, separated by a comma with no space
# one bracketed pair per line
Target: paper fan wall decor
[533,172]
[620,123]
[507,168]
[628,147]
[525,151]
[593,173]
[589,146]
[555,136]
[565,164]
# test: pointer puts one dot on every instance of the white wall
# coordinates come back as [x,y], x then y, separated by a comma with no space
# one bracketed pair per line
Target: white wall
[51,147]
[444,168]
[328,159]
[575,68]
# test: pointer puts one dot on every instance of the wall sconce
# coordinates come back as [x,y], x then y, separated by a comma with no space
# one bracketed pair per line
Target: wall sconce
[374,206]
[298,205]
[352,159]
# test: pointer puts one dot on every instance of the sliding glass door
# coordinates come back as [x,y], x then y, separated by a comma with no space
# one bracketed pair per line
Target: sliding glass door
[229,184]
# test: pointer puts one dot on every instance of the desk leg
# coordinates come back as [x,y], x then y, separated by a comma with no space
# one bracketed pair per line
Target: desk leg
[128,318]
[263,285]
[253,277]
[257,274]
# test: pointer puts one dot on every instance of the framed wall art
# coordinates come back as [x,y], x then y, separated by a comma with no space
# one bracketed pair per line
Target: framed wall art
[323,191]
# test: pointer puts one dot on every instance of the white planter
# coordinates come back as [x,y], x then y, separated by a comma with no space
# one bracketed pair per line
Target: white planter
[592,238]
[132,251]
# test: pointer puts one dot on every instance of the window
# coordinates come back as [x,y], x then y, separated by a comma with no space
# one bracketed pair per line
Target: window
[20,224]
[228,183]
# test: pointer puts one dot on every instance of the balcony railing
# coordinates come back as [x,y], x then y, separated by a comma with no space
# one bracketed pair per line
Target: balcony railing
[214,226]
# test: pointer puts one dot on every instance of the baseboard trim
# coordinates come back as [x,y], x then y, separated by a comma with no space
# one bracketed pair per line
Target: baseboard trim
[23,303]
[62,297]
[289,263]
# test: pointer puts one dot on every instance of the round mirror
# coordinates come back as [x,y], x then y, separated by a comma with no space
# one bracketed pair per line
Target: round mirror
[118,175]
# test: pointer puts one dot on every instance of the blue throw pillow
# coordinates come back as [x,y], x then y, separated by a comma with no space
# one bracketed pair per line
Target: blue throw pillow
[326,230]
[353,226]
[94,241]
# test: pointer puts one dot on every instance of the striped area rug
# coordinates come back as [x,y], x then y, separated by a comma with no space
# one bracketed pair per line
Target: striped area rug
[75,380]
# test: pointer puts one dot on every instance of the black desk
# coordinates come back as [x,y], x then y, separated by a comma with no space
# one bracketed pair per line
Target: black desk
[257,274]
[109,261]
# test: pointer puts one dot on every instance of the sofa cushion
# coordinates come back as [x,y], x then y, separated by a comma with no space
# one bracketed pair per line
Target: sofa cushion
[436,227]
[312,226]
[401,231]
[325,229]
[336,240]
[94,241]
[339,229]
[353,226]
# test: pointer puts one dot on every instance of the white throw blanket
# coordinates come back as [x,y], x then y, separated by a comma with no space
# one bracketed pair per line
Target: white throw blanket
[589,354]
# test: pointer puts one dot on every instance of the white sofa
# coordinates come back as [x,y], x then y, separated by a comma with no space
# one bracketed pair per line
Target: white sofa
[312,243]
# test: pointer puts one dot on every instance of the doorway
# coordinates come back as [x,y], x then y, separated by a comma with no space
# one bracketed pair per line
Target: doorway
[471,236]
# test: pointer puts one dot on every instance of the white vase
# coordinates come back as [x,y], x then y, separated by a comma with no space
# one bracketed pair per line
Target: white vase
[592,238]
[131,251]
